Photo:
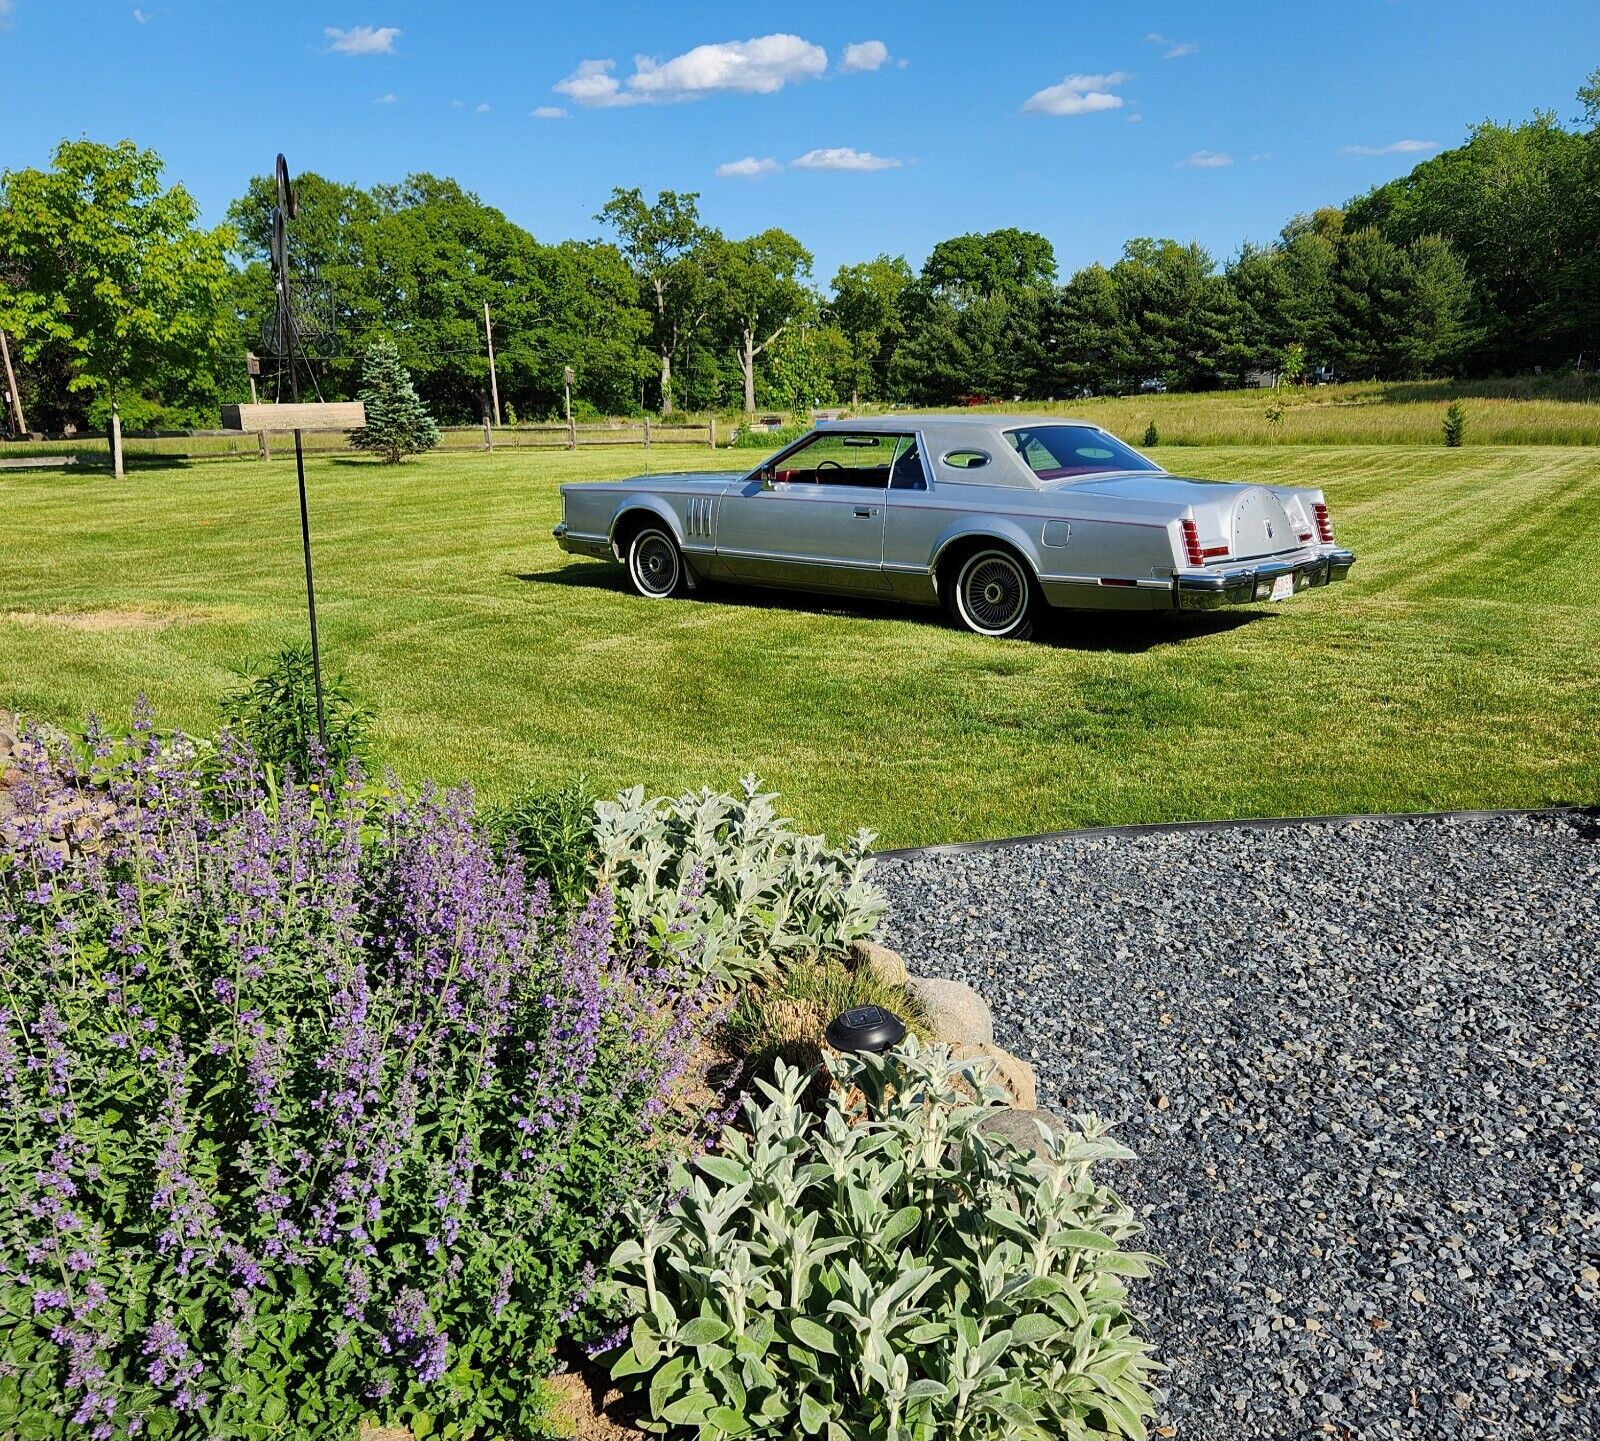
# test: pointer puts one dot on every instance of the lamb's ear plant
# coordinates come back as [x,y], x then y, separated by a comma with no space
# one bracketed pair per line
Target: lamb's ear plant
[753,890]
[887,1272]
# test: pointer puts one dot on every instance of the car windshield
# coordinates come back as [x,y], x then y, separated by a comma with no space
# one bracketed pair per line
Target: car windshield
[1063,452]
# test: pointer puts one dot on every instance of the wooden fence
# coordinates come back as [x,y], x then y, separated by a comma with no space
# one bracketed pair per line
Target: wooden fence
[93,449]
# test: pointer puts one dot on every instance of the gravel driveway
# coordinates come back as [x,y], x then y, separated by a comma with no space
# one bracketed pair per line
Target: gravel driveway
[1360,1065]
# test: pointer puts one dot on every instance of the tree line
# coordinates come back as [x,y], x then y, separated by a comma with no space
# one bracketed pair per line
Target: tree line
[1484,259]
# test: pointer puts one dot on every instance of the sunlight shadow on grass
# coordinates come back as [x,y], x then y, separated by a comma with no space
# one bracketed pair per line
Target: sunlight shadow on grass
[1086,630]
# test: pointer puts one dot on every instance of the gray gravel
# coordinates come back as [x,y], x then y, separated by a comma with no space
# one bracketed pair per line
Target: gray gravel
[1359,1064]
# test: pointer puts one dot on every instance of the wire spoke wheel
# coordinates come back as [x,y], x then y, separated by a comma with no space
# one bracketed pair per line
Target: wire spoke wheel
[994,596]
[654,565]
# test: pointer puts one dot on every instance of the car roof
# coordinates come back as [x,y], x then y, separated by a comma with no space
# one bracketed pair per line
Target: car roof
[986,421]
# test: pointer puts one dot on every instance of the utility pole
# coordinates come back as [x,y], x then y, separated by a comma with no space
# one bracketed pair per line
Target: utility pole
[11,388]
[494,382]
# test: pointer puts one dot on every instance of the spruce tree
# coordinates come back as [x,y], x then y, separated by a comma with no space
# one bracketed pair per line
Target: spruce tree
[398,424]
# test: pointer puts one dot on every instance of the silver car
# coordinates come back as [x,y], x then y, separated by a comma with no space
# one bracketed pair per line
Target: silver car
[994,516]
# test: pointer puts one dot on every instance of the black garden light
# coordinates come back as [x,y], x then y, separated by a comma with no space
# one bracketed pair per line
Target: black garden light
[865,1028]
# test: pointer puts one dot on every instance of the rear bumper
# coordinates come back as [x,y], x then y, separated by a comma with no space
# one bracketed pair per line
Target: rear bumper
[1241,585]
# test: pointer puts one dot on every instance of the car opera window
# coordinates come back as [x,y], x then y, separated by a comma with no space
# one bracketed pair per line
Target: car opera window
[834,457]
[1064,452]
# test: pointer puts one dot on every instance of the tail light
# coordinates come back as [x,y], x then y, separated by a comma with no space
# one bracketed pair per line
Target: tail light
[1324,521]
[1191,542]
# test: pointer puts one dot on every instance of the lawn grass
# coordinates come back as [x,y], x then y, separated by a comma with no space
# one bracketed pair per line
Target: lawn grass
[1458,667]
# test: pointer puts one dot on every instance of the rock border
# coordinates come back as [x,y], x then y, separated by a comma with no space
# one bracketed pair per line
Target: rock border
[959,1017]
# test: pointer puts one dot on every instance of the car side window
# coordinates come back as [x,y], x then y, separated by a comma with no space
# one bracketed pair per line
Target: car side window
[907,473]
[840,457]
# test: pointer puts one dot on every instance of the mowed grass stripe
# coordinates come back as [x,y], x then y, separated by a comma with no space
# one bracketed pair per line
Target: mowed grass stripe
[1458,666]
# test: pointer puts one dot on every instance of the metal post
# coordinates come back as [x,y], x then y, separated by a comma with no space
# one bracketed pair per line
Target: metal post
[311,592]
[488,432]
[568,375]
[287,208]
[711,432]
[647,432]
[494,380]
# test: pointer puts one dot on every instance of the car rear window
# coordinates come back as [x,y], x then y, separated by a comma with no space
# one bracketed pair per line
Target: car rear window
[1062,452]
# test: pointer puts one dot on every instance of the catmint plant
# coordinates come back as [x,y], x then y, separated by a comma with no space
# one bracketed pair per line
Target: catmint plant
[310,1110]
[886,1271]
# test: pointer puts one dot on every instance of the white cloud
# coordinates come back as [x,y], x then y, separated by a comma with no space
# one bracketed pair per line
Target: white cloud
[592,83]
[750,168]
[458,104]
[1395,147]
[761,66]
[1135,118]
[548,112]
[6,8]
[1078,95]
[867,55]
[842,157]
[1263,155]
[363,39]
[141,16]
[1208,160]
[1174,49]
[389,99]
[483,107]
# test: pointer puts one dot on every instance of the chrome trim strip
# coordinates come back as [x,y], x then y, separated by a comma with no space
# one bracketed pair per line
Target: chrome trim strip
[776,559]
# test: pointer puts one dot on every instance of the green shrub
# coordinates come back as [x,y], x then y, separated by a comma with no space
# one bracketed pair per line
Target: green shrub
[1455,424]
[754,892]
[1151,435]
[275,713]
[552,829]
[886,1273]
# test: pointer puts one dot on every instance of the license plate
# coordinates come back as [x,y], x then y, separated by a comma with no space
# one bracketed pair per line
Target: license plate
[1283,587]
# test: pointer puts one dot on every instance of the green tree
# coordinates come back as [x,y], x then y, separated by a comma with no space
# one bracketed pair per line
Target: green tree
[398,423]
[761,290]
[1520,206]
[667,246]
[1001,262]
[1069,348]
[1175,313]
[114,273]
[866,308]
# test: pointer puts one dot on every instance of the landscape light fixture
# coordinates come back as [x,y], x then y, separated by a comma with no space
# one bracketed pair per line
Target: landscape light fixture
[865,1028]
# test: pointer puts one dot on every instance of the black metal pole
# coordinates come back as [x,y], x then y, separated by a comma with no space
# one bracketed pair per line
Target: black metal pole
[311,592]
[285,211]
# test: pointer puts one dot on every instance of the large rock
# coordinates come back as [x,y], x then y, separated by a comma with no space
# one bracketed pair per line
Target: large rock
[884,964]
[1021,1128]
[1014,1076]
[956,1013]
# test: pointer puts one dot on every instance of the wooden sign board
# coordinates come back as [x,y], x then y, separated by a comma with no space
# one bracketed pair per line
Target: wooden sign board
[320,415]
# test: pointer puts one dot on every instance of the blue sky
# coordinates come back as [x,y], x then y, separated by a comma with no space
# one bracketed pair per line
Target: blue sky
[860,128]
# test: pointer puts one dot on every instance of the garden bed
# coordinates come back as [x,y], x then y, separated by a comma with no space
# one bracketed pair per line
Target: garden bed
[1357,1065]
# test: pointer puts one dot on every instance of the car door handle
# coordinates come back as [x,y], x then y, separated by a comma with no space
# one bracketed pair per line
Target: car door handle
[865,512]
